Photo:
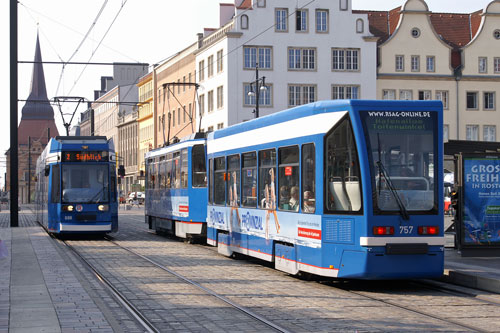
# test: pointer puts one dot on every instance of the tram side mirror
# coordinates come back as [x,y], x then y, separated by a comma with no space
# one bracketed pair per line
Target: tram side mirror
[47,170]
[121,171]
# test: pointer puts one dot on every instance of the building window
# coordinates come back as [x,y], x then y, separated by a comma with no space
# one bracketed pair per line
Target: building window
[301,94]
[489,101]
[211,66]
[490,133]
[400,63]
[424,95]
[415,63]
[443,96]
[220,126]
[446,133]
[301,20]
[220,61]
[389,94]
[173,118]
[281,19]
[264,96]
[301,59]
[496,34]
[360,26]
[201,70]
[406,95]
[220,97]
[345,59]
[496,65]
[261,3]
[431,63]
[345,92]
[472,100]
[244,22]
[250,57]
[202,104]
[344,5]
[210,101]
[321,20]
[483,65]
[415,32]
[472,132]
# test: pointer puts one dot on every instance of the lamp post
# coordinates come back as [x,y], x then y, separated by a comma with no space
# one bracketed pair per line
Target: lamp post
[260,87]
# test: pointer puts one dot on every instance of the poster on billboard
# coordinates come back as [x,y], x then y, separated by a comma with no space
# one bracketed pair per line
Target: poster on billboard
[481,201]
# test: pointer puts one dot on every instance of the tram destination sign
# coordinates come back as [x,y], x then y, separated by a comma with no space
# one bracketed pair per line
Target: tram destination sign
[85,156]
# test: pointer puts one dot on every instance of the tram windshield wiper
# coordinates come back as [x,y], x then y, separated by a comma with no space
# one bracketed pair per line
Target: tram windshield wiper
[395,194]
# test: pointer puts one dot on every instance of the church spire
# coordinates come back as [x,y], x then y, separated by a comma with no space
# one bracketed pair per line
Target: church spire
[37,106]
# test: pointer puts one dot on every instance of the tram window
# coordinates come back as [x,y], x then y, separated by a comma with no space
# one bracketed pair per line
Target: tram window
[308,178]
[156,183]
[113,186]
[162,172]
[288,178]
[219,181]
[342,167]
[249,180]
[176,171]
[56,184]
[184,168]
[168,175]
[199,168]
[267,181]
[233,171]
[211,181]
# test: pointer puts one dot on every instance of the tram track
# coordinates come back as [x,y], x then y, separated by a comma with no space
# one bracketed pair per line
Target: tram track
[141,317]
[429,285]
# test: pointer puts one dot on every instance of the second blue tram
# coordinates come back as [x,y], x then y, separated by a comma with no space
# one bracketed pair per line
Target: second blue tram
[76,189]
[176,188]
[347,189]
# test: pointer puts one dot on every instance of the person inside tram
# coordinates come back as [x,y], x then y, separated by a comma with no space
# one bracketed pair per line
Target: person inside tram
[294,200]
[284,196]
[309,202]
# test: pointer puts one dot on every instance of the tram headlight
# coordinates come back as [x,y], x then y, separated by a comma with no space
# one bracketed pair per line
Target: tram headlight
[68,208]
[103,208]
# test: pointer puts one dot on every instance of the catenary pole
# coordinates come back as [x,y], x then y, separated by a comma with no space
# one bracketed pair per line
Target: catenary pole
[14,190]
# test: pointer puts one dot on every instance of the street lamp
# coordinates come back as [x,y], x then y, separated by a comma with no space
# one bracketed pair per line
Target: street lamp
[260,87]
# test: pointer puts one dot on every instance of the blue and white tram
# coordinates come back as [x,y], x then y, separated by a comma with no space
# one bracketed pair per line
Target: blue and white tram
[346,189]
[176,188]
[76,190]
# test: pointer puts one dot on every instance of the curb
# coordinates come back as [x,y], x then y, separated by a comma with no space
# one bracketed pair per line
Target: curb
[471,281]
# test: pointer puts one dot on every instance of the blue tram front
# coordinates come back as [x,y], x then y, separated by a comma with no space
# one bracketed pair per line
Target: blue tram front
[76,188]
[346,189]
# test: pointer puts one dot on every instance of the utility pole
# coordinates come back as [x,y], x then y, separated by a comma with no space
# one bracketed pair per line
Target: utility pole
[260,86]
[14,177]
[29,169]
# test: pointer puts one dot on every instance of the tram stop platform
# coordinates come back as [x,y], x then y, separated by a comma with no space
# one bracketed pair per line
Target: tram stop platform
[39,291]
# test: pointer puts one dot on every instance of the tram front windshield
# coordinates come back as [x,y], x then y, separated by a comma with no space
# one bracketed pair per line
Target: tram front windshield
[402,149]
[85,183]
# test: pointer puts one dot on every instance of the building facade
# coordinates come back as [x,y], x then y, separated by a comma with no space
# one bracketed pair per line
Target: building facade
[307,51]
[175,97]
[145,120]
[127,151]
[442,56]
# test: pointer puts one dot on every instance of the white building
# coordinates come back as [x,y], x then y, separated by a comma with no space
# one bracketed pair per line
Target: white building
[307,51]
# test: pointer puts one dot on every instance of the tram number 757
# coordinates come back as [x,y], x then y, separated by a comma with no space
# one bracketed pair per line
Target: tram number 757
[407,229]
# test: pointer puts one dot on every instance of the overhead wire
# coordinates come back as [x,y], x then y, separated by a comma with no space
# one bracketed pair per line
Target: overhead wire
[81,42]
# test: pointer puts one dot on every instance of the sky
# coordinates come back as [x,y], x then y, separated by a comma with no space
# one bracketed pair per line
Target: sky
[146,31]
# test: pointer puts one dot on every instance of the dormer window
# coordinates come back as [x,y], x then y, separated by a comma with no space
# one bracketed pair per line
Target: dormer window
[244,22]
[415,32]
[261,3]
[496,34]
[360,26]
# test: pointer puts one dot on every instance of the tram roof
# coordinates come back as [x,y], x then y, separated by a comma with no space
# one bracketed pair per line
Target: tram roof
[319,107]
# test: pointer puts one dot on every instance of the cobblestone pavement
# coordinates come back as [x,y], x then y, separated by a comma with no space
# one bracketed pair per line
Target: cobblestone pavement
[302,306]
[295,304]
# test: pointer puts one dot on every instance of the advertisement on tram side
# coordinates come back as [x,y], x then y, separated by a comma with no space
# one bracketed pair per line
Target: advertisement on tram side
[302,229]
